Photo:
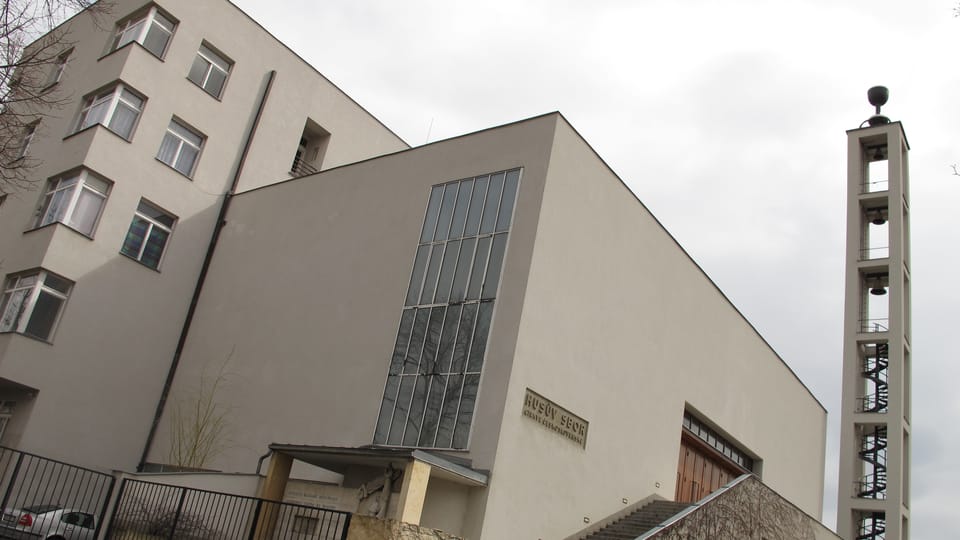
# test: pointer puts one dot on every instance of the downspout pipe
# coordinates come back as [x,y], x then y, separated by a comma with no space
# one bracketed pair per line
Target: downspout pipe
[207,259]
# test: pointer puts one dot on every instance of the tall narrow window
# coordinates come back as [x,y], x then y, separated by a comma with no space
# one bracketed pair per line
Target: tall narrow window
[117,108]
[58,67]
[431,388]
[151,29]
[180,147]
[28,133]
[209,71]
[76,200]
[147,237]
[32,303]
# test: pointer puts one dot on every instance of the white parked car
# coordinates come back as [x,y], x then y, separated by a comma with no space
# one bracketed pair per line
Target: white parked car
[47,522]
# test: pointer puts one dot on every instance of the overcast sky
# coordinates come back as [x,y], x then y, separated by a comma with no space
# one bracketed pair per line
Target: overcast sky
[728,120]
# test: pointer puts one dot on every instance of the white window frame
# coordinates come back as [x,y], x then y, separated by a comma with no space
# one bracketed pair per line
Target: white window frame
[178,131]
[19,322]
[113,97]
[6,413]
[214,61]
[152,223]
[47,214]
[145,22]
[30,130]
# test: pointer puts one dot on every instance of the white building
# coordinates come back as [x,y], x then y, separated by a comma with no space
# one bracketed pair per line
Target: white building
[495,314]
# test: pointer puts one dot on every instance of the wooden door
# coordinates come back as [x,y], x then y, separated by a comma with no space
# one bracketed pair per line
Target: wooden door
[701,471]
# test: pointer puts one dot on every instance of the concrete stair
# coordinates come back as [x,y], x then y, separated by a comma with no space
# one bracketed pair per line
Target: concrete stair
[633,525]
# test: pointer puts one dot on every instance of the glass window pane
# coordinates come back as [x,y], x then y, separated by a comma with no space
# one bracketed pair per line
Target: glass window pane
[12,309]
[215,82]
[448,411]
[492,203]
[416,277]
[479,346]
[43,316]
[156,40]
[468,399]
[386,409]
[459,290]
[135,237]
[446,211]
[460,211]
[476,206]
[403,340]
[464,335]
[447,336]
[123,119]
[399,420]
[411,433]
[95,114]
[168,148]
[153,251]
[432,342]
[58,284]
[433,269]
[508,199]
[416,341]
[188,156]
[198,71]
[96,184]
[57,206]
[495,266]
[433,211]
[86,211]
[447,271]
[479,268]
[431,415]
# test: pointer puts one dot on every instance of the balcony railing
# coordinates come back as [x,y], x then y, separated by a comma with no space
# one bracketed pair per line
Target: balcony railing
[302,168]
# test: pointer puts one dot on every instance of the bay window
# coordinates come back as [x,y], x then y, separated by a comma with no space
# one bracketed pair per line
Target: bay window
[32,303]
[74,199]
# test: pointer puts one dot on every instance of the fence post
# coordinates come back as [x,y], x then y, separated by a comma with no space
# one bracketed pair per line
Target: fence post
[116,508]
[346,526]
[176,517]
[13,478]
[256,519]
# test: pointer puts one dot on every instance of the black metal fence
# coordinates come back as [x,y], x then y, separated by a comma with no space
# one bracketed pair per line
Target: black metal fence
[152,511]
[60,495]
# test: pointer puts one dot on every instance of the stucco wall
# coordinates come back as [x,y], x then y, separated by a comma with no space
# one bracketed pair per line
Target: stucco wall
[105,369]
[620,327]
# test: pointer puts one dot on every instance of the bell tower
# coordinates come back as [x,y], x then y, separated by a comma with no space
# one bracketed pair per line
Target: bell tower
[874,488]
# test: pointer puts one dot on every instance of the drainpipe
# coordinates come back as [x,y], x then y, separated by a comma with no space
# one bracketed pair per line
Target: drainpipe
[208,257]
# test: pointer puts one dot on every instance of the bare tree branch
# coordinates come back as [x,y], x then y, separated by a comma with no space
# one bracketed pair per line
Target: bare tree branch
[33,42]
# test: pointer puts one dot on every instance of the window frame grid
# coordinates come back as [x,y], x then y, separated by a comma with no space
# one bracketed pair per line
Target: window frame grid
[213,59]
[387,418]
[25,313]
[82,183]
[151,222]
[115,96]
[148,19]
[181,141]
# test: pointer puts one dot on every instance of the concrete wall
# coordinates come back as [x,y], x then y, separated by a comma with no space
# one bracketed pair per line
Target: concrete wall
[620,327]
[105,368]
[307,287]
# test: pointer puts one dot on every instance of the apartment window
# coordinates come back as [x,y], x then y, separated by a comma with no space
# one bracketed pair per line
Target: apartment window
[209,71]
[59,66]
[6,413]
[438,357]
[32,303]
[180,147]
[310,151]
[152,29]
[76,200]
[147,237]
[117,108]
[28,133]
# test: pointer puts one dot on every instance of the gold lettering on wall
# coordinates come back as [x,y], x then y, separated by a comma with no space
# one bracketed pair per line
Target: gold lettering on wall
[555,418]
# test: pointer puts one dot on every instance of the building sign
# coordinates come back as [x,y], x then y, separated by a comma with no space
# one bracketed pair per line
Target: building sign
[555,417]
